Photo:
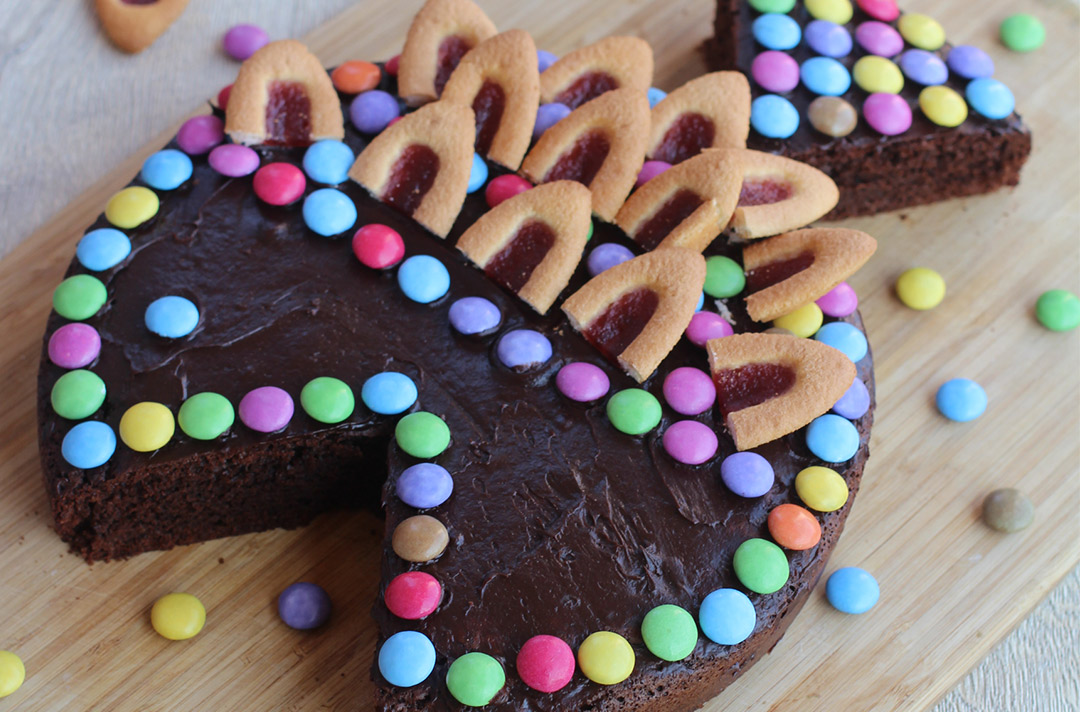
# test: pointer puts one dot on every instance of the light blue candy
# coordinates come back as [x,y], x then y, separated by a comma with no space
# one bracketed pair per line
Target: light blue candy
[775,31]
[843,337]
[961,399]
[423,278]
[825,76]
[167,170]
[406,658]
[103,249]
[88,445]
[655,96]
[832,438]
[545,59]
[478,174]
[774,116]
[700,303]
[990,98]
[329,212]
[388,393]
[852,590]
[727,616]
[172,317]
[523,348]
[328,162]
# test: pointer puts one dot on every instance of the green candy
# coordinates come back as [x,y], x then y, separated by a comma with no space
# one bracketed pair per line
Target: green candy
[772,5]
[1022,32]
[78,394]
[634,411]
[724,277]
[589,236]
[206,416]
[1058,310]
[422,434]
[670,632]
[79,297]
[761,566]
[327,400]
[474,679]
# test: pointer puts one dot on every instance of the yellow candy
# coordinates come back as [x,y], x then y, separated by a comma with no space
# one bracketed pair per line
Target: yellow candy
[922,31]
[821,489]
[12,673]
[147,426]
[131,207]
[838,11]
[178,616]
[943,106]
[878,75]
[920,288]
[804,321]
[606,658]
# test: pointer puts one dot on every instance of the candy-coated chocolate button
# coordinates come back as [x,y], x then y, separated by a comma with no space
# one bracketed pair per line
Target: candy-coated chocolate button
[103,249]
[832,116]
[172,317]
[478,174]
[424,485]
[761,566]
[705,326]
[970,62]
[700,303]
[279,183]
[372,111]
[147,426]
[406,658]
[669,632]
[77,394]
[923,67]
[838,11]
[773,71]
[604,257]
[877,75]
[166,170]
[328,161]
[474,315]
[131,207]
[724,277]
[88,445]
[266,409]
[776,31]
[12,673]
[178,616]
[582,382]
[690,442]
[921,31]
[727,616]
[504,187]
[838,302]
[304,606]
[234,160]
[242,41]
[1022,32]
[990,98]
[825,76]
[634,411]
[772,5]
[378,246]
[606,658]
[879,38]
[199,134]
[845,338]
[774,116]
[855,401]
[961,399]
[74,345]
[828,38]
[206,416]
[423,279]
[474,679]
[223,97]
[388,393]
[804,321]
[689,390]
[1008,510]
[852,590]
[522,349]
[328,212]
[413,595]
[943,106]
[1058,310]
[821,488]
[391,65]
[546,663]
[888,114]
[649,170]
[793,527]
[832,438]
[655,96]
[547,116]
[355,76]
[422,434]
[920,288]
[79,297]
[884,10]
[420,538]
[747,474]
[545,59]
[327,399]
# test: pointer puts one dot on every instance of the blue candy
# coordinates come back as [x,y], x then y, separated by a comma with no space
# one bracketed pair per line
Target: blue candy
[700,303]
[774,116]
[388,393]
[406,658]
[88,445]
[970,62]
[424,485]
[825,76]
[990,98]
[478,174]
[852,590]
[423,278]
[371,111]
[547,116]
[103,249]
[727,616]
[474,315]
[655,96]
[328,162]
[923,67]
[828,38]
[545,59]
[172,317]
[843,337]
[832,438]
[855,401]
[523,348]
[775,31]
[328,212]
[961,399]
[167,170]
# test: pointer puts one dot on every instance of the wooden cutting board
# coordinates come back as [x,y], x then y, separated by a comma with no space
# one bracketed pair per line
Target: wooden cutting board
[951,588]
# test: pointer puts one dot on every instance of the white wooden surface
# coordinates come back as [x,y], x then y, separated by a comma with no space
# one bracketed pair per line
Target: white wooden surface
[57,72]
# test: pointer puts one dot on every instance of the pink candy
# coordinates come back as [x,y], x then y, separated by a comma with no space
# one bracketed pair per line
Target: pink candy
[775,71]
[545,663]
[839,302]
[233,160]
[582,382]
[650,170]
[242,41]
[199,134]
[884,10]
[887,114]
[879,38]
[266,410]
[690,442]
[74,345]
[504,187]
[689,390]
[378,246]
[707,325]
[279,183]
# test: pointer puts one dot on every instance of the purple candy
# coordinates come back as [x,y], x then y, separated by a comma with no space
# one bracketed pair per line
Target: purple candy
[474,315]
[888,114]
[522,349]
[747,474]
[828,38]
[855,401]
[582,382]
[547,116]
[266,409]
[689,390]
[199,134]
[970,62]
[604,257]
[775,71]
[242,41]
[304,606]
[923,67]
[74,345]
[840,301]
[424,485]
[233,160]
[690,442]
[545,59]
[650,170]
[707,325]
[879,38]
[371,111]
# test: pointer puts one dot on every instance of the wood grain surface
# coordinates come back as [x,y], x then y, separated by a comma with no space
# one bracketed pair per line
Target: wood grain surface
[75,121]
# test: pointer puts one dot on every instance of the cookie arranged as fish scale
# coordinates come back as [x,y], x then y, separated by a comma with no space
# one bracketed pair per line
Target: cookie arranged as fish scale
[440,36]
[711,111]
[586,73]
[133,26]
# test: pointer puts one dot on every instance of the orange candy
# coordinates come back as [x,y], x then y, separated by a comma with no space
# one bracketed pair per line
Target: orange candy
[794,528]
[355,76]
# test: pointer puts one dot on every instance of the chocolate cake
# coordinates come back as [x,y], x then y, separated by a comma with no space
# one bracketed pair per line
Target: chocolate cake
[563,520]
[924,163]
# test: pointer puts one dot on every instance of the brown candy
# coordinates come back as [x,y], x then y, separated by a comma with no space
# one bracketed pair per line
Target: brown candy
[832,116]
[1008,510]
[420,538]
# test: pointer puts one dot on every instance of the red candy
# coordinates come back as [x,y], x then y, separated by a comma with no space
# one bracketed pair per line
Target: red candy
[504,187]
[545,663]
[223,97]
[413,595]
[884,10]
[392,65]
[279,183]
[378,246]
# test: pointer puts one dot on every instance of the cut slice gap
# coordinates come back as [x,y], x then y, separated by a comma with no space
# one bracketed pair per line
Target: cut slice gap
[711,111]
[133,26]
[440,36]
[586,73]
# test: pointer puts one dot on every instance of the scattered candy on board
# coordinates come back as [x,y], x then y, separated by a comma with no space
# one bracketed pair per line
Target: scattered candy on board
[242,41]
[961,399]
[1058,310]
[178,616]
[920,288]
[852,590]
[1022,32]
[1008,510]
[12,673]
[304,606]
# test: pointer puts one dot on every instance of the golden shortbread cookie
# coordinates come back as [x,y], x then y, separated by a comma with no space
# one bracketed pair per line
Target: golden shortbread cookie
[134,27]
[442,32]
[588,72]
[711,111]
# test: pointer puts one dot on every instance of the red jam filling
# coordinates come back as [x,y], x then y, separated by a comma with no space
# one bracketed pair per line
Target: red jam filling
[584,159]
[411,178]
[746,386]
[587,87]
[775,272]
[763,192]
[514,264]
[138,2]
[488,108]
[678,207]
[451,51]
[288,115]
[688,135]
[620,324]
